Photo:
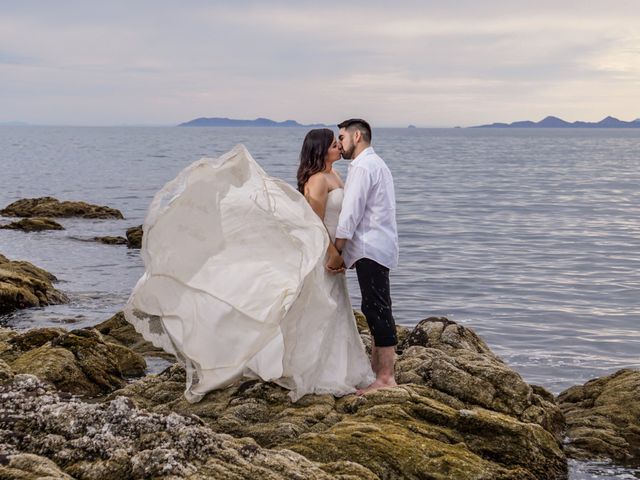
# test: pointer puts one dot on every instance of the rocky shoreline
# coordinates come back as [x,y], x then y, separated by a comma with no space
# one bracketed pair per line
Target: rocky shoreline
[78,401]
[458,413]
[52,207]
[34,216]
[80,404]
[24,285]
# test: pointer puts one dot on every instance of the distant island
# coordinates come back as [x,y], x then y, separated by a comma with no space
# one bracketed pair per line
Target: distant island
[555,122]
[258,122]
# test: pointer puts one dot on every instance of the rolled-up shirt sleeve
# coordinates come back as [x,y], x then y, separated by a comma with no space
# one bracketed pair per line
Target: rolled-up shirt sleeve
[356,191]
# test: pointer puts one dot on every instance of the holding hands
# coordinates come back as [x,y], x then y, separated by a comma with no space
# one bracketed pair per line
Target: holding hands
[335,263]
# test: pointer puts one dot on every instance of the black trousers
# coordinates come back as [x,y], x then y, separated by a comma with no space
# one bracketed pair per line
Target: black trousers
[376,301]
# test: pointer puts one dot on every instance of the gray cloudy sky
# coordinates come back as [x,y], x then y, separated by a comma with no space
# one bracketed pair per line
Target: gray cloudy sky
[429,63]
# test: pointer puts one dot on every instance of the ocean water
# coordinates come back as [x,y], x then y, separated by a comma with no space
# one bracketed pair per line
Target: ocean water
[530,237]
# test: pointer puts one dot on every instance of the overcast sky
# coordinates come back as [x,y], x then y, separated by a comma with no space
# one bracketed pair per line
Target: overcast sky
[428,63]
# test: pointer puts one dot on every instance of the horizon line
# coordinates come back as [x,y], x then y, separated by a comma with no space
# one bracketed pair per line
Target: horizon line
[18,123]
[167,125]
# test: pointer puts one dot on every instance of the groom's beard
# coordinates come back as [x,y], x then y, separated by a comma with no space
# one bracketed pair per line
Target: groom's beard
[348,154]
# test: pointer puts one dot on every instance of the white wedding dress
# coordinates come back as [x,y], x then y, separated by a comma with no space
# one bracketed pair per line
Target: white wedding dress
[235,283]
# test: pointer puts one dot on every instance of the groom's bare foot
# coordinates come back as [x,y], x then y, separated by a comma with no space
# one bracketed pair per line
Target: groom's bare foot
[382,363]
[379,383]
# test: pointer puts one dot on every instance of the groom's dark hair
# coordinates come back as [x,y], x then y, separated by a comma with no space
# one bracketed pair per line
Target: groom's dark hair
[360,124]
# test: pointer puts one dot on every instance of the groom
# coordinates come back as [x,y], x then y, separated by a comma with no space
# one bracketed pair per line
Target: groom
[367,238]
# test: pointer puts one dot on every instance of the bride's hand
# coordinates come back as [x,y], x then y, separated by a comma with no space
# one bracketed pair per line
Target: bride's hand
[335,264]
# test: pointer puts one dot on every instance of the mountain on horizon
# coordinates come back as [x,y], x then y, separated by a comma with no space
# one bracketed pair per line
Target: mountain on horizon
[231,122]
[555,122]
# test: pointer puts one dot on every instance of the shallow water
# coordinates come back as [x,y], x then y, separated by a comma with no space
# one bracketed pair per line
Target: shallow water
[531,237]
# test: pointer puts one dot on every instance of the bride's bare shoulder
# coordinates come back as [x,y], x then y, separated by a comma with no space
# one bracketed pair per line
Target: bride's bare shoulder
[318,177]
[317,181]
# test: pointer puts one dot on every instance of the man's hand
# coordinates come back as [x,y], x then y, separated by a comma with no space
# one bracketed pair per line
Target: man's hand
[335,263]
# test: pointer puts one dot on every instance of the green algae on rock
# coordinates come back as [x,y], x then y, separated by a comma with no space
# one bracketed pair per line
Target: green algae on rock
[459,412]
[109,240]
[6,374]
[134,237]
[117,330]
[27,466]
[78,362]
[603,418]
[52,207]
[457,363]
[24,285]
[35,224]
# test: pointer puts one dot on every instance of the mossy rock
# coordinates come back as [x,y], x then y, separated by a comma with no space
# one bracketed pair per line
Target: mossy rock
[116,440]
[14,344]
[111,240]
[52,207]
[6,373]
[603,418]
[459,412]
[117,330]
[27,466]
[134,237]
[78,362]
[35,224]
[23,285]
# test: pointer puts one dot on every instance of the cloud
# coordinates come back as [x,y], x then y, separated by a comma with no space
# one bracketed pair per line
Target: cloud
[427,63]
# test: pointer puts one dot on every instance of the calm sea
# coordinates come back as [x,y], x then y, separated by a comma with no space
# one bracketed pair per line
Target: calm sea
[530,237]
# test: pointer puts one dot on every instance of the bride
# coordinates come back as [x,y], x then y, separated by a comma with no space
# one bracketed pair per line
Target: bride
[235,281]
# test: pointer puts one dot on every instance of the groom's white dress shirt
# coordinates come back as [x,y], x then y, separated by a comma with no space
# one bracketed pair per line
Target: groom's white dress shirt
[368,216]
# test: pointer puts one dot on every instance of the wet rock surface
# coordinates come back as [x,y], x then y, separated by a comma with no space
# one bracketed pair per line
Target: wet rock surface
[52,207]
[44,432]
[603,418]
[24,285]
[134,237]
[111,240]
[458,413]
[454,361]
[79,362]
[117,330]
[35,224]
[26,466]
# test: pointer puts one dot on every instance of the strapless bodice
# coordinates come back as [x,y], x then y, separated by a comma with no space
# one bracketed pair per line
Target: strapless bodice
[332,211]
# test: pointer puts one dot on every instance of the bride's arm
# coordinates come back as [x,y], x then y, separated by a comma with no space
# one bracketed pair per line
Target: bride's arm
[316,192]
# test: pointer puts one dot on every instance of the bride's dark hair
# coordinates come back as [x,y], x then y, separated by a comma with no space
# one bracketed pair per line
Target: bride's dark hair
[312,156]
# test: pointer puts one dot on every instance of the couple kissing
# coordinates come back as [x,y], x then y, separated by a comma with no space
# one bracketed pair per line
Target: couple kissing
[244,276]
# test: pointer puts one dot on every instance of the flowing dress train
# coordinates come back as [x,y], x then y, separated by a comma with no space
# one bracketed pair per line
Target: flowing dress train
[235,284]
